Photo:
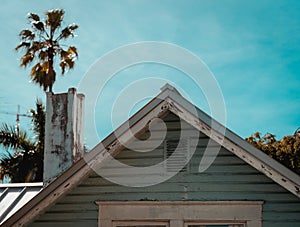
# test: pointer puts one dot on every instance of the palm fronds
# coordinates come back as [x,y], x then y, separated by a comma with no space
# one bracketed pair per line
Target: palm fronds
[23,157]
[42,43]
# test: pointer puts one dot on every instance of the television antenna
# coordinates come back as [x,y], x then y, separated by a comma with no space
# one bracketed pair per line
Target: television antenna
[18,115]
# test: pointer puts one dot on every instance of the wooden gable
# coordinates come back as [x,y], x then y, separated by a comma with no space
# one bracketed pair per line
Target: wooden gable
[240,173]
[229,178]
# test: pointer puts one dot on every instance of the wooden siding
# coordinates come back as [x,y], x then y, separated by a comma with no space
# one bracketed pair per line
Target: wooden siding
[229,178]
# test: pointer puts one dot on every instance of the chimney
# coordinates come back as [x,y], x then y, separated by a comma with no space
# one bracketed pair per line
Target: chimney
[64,133]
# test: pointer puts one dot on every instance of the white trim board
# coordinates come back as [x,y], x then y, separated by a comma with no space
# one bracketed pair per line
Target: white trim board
[176,213]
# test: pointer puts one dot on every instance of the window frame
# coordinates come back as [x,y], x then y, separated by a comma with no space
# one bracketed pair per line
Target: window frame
[156,223]
[212,224]
[178,213]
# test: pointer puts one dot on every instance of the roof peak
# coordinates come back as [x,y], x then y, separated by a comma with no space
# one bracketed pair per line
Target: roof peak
[169,87]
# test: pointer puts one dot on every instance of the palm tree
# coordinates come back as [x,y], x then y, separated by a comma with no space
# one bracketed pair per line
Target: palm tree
[26,164]
[42,43]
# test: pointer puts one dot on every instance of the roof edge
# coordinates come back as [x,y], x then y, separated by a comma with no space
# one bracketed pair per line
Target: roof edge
[235,144]
[12,185]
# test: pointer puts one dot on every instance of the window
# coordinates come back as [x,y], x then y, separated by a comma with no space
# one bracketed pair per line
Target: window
[180,214]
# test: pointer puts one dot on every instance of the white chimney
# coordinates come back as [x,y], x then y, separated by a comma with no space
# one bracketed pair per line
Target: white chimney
[64,140]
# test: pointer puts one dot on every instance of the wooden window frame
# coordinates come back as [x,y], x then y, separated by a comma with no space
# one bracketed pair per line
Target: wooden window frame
[212,224]
[145,223]
[177,213]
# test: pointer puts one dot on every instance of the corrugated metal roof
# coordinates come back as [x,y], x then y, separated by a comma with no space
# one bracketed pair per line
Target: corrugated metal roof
[14,196]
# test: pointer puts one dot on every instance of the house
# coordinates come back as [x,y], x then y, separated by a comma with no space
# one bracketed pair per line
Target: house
[237,186]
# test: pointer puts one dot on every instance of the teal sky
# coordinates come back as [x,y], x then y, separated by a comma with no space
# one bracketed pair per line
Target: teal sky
[251,47]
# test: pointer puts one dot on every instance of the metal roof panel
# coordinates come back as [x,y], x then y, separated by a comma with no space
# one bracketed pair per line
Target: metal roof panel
[14,196]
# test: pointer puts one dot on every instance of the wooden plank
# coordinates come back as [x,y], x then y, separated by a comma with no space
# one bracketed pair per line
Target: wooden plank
[210,211]
[224,168]
[74,207]
[221,177]
[282,216]
[118,172]
[212,151]
[198,196]
[218,178]
[69,216]
[127,154]
[280,223]
[225,160]
[202,143]
[175,133]
[283,207]
[139,162]
[287,206]
[77,223]
[174,125]
[180,188]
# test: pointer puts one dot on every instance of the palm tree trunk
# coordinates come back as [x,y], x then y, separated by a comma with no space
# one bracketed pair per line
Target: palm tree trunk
[51,72]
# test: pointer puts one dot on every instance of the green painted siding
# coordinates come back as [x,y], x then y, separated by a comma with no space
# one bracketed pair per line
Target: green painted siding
[229,178]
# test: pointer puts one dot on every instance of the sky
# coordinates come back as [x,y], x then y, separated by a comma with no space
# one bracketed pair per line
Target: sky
[251,48]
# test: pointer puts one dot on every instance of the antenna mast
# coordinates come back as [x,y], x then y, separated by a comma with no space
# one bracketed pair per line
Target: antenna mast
[18,121]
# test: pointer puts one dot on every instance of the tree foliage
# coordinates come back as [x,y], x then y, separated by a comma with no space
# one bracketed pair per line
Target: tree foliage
[26,163]
[42,43]
[285,151]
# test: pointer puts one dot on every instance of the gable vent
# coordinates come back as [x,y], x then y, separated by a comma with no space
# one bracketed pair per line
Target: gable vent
[180,158]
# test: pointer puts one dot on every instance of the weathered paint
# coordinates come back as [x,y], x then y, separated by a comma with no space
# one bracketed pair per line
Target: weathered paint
[226,212]
[229,179]
[235,144]
[64,132]
[80,170]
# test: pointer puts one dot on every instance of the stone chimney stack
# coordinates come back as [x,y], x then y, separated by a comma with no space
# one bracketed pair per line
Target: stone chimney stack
[64,140]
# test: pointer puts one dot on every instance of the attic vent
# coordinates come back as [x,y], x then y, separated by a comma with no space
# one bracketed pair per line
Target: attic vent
[180,158]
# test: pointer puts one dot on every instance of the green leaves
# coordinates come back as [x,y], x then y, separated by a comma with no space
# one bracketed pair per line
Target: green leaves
[67,32]
[38,120]
[72,51]
[38,25]
[39,75]
[9,138]
[23,44]
[27,34]
[43,55]
[67,58]
[26,59]
[54,18]
[42,45]
[73,27]
[26,163]
[285,151]
[34,17]
[35,22]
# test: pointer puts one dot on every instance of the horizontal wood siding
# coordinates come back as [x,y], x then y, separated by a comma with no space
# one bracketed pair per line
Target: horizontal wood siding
[229,178]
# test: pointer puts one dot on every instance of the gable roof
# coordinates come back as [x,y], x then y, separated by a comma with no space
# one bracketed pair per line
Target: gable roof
[168,100]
